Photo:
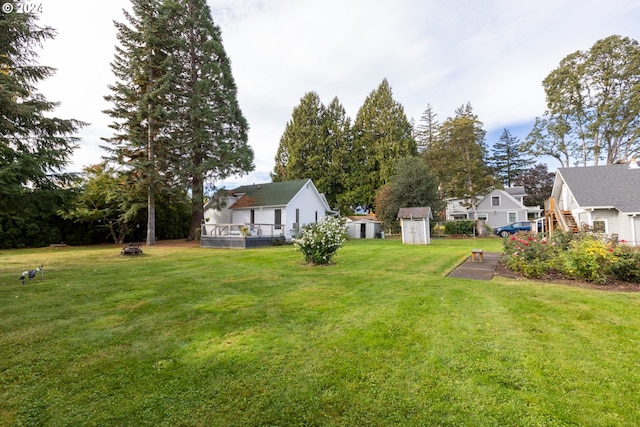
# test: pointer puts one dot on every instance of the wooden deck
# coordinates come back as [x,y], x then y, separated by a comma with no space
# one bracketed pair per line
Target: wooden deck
[241,236]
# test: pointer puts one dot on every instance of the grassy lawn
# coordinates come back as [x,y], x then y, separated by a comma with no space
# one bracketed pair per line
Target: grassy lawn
[191,336]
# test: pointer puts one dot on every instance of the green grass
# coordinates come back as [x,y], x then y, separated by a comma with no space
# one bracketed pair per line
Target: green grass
[190,336]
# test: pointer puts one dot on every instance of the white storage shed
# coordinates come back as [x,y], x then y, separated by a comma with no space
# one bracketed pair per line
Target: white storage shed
[414,223]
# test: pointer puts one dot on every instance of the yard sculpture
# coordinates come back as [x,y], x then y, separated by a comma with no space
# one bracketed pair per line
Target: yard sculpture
[31,274]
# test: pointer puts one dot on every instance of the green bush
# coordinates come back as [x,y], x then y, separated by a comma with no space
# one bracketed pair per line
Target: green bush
[459,227]
[578,256]
[529,255]
[625,264]
[319,242]
[585,259]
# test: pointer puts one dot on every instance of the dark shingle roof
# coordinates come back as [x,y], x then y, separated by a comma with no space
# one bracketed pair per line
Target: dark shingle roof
[424,212]
[599,186]
[270,194]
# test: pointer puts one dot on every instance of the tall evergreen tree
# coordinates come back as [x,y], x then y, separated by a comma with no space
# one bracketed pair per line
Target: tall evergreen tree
[209,131]
[459,158]
[302,146]
[338,144]
[316,144]
[508,158]
[142,67]
[382,135]
[34,146]
[427,129]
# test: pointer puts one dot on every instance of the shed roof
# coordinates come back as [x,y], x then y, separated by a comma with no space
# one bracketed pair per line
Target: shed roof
[422,212]
[269,194]
[599,186]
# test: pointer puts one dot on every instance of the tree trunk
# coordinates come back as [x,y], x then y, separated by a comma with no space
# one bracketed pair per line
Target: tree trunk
[151,200]
[197,208]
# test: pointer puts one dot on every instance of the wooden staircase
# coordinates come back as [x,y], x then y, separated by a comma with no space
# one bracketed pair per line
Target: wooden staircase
[570,222]
[559,219]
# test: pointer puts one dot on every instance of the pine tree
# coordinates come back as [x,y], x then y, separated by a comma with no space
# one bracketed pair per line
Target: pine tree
[427,129]
[458,158]
[209,130]
[142,67]
[338,143]
[34,147]
[301,152]
[382,135]
[508,158]
[316,144]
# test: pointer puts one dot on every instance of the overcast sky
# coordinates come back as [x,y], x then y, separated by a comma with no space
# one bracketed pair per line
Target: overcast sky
[491,53]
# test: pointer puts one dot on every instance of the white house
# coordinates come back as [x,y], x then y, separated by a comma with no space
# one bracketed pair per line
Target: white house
[498,208]
[258,214]
[364,227]
[414,223]
[604,198]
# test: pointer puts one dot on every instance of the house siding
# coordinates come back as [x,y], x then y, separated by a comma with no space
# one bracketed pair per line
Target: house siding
[309,202]
[498,216]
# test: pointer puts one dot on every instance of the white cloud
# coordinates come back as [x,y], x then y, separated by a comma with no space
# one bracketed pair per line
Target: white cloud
[493,54]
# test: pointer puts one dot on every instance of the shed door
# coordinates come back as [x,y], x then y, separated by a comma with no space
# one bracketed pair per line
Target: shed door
[363,231]
[414,232]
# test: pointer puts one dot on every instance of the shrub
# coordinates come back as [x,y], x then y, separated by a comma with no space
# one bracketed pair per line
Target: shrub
[585,259]
[319,242]
[625,264]
[531,256]
[459,227]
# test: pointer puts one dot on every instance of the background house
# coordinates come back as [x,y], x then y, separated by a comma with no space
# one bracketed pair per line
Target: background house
[364,227]
[263,211]
[414,223]
[604,198]
[498,208]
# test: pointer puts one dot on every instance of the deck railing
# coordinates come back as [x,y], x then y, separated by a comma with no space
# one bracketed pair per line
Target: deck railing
[242,230]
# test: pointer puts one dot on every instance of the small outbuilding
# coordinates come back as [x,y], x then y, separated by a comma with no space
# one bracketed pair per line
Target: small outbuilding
[364,227]
[414,223]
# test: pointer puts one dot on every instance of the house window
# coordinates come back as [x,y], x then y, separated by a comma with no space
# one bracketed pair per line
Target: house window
[253,217]
[513,217]
[296,226]
[599,226]
[316,216]
[278,219]
[495,200]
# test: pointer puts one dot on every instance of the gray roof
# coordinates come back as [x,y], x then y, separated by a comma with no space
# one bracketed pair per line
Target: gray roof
[516,191]
[602,186]
[424,212]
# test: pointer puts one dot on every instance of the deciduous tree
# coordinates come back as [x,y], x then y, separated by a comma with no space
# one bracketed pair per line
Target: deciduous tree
[538,183]
[594,96]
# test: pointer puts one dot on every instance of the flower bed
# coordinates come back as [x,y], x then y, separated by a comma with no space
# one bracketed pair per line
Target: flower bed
[579,256]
